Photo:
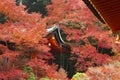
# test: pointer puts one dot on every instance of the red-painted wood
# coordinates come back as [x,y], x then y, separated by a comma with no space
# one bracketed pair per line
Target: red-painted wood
[110,11]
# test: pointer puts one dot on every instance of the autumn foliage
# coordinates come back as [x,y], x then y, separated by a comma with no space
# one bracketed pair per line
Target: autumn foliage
[85,34]
[110,71]
[28,32]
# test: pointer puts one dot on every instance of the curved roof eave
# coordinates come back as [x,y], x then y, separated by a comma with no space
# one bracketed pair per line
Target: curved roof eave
[57,29]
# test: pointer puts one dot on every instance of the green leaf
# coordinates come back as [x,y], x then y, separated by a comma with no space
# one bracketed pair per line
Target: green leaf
[31,76]
[27,69]
[44,79]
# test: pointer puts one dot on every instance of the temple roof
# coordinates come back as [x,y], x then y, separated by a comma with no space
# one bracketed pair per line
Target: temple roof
[107,11]
[55,30]
[55,40]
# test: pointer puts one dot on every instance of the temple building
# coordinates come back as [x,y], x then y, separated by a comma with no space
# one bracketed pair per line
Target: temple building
[108,12]
[55,41]
[60,49]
